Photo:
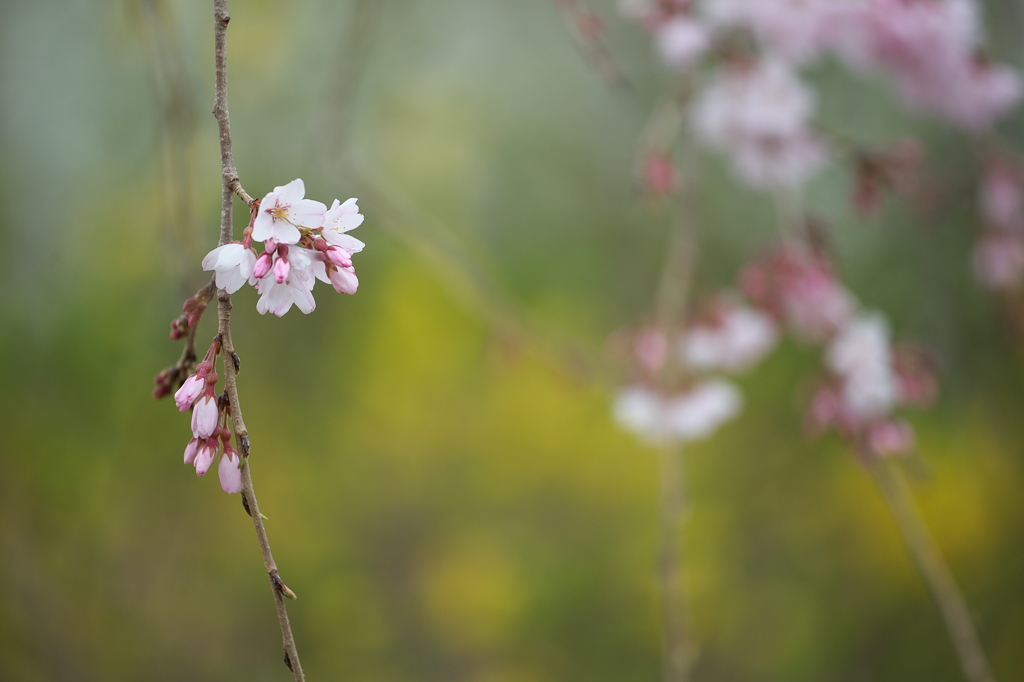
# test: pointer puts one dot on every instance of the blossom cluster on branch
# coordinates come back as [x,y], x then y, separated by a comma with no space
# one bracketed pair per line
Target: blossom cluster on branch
[745,97]
[756,109]
[728,337]
[794,290]
[303,241]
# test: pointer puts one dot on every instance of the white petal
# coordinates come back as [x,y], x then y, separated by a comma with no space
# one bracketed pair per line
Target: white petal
[350,244]
[263,226]
[283,232]
[291,193]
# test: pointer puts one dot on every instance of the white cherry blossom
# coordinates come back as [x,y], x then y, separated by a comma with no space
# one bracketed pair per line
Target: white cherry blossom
[283,211]
[233,263]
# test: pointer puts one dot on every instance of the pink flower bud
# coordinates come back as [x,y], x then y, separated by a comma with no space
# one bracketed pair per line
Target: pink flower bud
[230,471]
[343,280]
[191,450]
[890,438]
[205,415]
[282,266]
[262,266]
[339,256]
[659,175]
[204,458]
[189,391]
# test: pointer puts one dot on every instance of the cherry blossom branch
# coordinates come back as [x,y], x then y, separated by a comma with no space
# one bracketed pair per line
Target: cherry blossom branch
[935,573]
[671,299]
[232,186]
[220,112]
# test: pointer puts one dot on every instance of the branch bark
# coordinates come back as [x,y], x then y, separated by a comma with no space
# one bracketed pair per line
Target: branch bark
[231,186]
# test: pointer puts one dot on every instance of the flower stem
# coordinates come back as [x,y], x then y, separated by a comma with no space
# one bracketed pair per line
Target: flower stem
[232,187]
[677,652]
[935,572]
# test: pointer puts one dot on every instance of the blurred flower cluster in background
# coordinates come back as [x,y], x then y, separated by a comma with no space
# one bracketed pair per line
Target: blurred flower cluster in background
[442,457]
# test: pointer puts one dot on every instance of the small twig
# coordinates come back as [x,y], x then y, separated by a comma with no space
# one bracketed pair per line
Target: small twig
[935,573]
[232,187]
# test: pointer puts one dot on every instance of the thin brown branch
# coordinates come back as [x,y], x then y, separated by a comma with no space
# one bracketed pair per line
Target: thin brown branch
[935,573]
[220,112]
[231,187]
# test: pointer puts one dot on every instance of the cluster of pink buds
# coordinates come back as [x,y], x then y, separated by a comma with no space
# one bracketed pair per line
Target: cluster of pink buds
[867,377]
[210,431]
[303,241]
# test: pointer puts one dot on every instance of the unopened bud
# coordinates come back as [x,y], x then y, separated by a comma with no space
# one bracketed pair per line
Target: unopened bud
[263,264]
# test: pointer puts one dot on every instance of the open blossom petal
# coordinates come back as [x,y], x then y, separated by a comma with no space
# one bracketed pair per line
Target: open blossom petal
[339,219]
[349,243]
[205,415]
[285,210]
[233,263]
[278,298]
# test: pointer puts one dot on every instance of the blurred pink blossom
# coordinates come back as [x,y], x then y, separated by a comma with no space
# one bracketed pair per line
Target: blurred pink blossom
[998,260]
[797,30]
[889,437]
[732,338]
[930,49]
[1001,195]
[798,287]
[681,41]
[681,417]
[860,355]
[759,115]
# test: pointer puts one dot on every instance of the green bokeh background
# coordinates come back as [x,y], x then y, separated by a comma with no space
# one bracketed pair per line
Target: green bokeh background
[446,494]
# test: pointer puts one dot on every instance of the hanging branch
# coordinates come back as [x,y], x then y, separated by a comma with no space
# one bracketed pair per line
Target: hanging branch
[231,187]
[935,573]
